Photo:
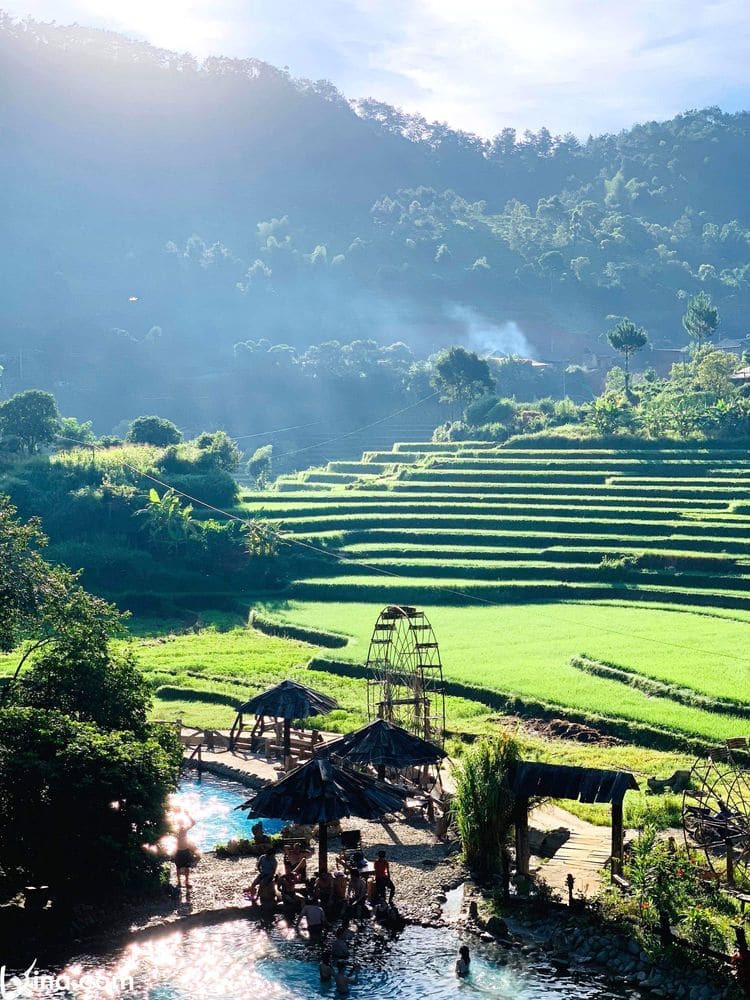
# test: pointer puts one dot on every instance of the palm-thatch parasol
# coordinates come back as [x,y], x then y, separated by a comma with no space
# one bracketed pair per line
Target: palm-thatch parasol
[383,744]
[287,700]
[321,792]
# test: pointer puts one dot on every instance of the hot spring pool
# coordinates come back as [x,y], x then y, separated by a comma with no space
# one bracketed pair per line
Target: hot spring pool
[211,802]
[238,961]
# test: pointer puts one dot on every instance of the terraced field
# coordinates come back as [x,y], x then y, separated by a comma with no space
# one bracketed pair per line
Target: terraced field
[606,586]
[472,521]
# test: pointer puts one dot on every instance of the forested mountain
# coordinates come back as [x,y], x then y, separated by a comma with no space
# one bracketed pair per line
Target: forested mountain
[158,212]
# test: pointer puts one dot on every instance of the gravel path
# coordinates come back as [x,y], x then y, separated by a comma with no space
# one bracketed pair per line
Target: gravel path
[421,868]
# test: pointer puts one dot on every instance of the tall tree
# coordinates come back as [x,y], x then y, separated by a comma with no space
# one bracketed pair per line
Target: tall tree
[31,418]
[460,376]
[701,319]
[628,339]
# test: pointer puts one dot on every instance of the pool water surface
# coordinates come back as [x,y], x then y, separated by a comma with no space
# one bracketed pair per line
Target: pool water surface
[212,803]
[239,961]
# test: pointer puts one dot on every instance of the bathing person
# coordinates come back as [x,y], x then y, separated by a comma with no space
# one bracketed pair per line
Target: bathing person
[338,896]
[315,917]
[326,967]
[463,963]
[295,859]
[323,889]
[291,901]
[267,897]
[266,866]
[357,894]
[186,854]
[343,982]
[340,946]
[383,879]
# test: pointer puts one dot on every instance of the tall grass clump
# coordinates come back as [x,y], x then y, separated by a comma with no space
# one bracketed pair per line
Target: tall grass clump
[483,807]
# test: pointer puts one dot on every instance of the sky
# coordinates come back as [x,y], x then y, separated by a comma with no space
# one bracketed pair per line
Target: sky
[581,66]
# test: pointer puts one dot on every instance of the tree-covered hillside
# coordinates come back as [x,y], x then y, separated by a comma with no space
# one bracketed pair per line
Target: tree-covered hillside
[159,212]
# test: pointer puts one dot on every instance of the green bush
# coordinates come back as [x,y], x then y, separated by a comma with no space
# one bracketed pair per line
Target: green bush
[483,806]
[77,805]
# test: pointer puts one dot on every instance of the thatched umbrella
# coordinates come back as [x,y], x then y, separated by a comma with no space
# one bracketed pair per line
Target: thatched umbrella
[383,744]
[322,792]
[288,700]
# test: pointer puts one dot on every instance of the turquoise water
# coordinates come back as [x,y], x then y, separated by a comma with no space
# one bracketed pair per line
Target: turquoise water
[211,802]
[238,961]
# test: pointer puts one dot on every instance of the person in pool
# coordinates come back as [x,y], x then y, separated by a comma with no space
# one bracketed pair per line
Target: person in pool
[343,982]
[186,854]
[463,963]
[326,967]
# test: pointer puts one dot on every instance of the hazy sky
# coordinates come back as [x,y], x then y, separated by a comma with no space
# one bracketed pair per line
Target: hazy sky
[573,65]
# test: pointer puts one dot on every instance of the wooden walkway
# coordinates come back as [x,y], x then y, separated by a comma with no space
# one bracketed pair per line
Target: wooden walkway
[583,855]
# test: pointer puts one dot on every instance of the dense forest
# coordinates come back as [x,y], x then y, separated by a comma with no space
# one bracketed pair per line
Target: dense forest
[201,240]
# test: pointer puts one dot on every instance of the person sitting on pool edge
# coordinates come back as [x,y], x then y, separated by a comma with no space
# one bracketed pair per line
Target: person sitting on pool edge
[295,859]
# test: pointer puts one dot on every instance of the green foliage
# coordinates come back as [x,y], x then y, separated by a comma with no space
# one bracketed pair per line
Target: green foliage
[25,578]
[89,682]
[483,806]
[701,319]
[30,418]
[168,520]
[628,339]
[72,430]
[665,880]
[259,465]
[241,847]
[460,376]
[221,449]
[154,430]
[611,413]
[78,804]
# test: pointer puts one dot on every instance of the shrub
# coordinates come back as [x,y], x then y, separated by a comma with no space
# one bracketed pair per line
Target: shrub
[154,430]
[484,802]
[77,805]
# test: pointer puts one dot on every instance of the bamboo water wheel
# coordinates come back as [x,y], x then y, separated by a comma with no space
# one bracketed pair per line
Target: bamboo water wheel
[405,683]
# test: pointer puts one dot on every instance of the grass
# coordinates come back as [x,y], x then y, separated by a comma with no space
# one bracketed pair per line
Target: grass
[525,651]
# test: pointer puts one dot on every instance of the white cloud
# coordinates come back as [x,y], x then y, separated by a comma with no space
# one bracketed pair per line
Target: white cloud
[578,65]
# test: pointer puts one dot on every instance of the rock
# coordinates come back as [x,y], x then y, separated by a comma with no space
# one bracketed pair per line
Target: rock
[497,927]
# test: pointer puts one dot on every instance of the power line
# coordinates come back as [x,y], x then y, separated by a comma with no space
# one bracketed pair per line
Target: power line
[357,430]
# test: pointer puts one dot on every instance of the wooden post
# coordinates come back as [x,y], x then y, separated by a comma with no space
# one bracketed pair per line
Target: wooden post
[730,864]
[381,772]
[522,837]
[323,847]
[287,740]
[617,838]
